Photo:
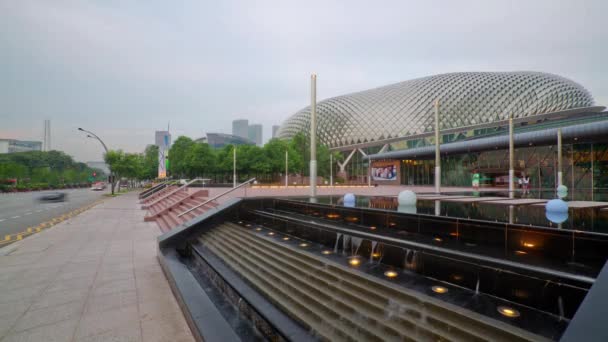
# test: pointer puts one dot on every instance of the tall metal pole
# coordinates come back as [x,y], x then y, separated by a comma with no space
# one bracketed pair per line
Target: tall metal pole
[286,168]
[234,167]
[369,172]
[313,135]
[93,135]
[511,158]
[559,157]
[437,153]
[331,169]
[592,160]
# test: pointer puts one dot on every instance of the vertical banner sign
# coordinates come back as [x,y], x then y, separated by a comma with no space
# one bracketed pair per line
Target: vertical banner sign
[163,141]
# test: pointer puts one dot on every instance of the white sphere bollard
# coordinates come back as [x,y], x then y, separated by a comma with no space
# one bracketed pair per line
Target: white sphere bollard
[349,200]
[556,206]
[408,209]
[562,191]
[407,197]
[556,217]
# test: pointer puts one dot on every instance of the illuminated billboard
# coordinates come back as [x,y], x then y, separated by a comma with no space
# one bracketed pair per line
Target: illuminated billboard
[384,171]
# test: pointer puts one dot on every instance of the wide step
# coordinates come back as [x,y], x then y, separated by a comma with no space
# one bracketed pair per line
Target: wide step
[336,302]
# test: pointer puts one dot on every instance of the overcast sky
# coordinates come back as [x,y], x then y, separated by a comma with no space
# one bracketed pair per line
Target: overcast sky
[123,69]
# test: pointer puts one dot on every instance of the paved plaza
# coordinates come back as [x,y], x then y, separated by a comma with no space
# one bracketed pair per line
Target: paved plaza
[94,277]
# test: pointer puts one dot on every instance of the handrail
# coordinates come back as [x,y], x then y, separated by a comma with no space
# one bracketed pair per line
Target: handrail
[146,193]
[216,197]
[172,192]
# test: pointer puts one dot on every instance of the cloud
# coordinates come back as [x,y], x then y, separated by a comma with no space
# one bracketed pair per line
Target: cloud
[136,66]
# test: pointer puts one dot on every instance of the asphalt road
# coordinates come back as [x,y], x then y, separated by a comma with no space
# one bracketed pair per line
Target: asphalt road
[18,211]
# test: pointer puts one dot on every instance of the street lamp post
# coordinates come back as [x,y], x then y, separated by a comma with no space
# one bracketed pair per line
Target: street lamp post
[331,169]
[286,169]
[437,150]
[94,136]
[313,135]
[234,167]
[511,158]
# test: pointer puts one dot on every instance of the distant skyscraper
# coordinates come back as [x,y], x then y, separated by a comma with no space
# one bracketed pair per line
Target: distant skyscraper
[163,141]
[275,129]
[255,134]
[47,135]
[240,128]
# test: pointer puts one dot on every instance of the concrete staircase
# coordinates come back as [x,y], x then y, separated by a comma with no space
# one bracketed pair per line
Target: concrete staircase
[340,304]
[158,194]
[168,217]
[173,201]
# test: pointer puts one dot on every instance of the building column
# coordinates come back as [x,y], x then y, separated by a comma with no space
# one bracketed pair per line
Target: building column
[511,158]
[437,150]
[313,135]
[342,166]
[559,157]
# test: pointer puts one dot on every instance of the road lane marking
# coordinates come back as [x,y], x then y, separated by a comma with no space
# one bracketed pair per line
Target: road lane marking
[2,220]
[14,217]
[38,211]
[26,214]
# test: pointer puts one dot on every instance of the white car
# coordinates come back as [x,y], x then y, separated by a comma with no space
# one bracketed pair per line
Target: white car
[99,186]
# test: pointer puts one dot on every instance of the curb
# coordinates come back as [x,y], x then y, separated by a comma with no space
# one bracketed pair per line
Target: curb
[9,238]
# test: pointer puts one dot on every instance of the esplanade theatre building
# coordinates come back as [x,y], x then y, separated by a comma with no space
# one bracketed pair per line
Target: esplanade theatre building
[394,125]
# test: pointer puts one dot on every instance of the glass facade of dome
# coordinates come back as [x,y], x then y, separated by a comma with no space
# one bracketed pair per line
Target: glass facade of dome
[467,100]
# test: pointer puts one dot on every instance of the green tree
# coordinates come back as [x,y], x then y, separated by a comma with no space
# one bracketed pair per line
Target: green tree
[275,152]
[150,163]
[201,160]
[178,156]
[124,165]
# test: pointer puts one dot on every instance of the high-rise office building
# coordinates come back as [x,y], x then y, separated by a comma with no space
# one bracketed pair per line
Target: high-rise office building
[255,134]
[240,128]
[275,129]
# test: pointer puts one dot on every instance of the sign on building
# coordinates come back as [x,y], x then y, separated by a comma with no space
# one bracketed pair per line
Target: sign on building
[163,141]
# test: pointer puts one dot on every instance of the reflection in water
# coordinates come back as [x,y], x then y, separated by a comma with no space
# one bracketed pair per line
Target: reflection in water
[586,219]
[407,209]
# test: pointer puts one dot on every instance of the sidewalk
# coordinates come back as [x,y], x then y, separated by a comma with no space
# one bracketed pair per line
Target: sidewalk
[94,277]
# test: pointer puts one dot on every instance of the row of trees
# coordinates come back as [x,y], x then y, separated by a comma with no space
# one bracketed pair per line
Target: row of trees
[133,166]
[36,170]
[189,159]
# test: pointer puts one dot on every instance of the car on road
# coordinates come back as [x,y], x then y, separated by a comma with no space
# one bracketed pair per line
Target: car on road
[53,197]
[99,186]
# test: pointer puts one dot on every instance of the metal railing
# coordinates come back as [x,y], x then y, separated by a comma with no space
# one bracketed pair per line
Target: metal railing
[153,189]
[173,192]
[216,197]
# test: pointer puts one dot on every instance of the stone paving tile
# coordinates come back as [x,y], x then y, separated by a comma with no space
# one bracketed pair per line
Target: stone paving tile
[48,315]
[113,285]
[26,293]
[106,321]
[90,278]
[6,322]
[112,301]
[169,329]
[158,308]
[121,334]
[57,332]
[49,299]
[14,309]
[80,283]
